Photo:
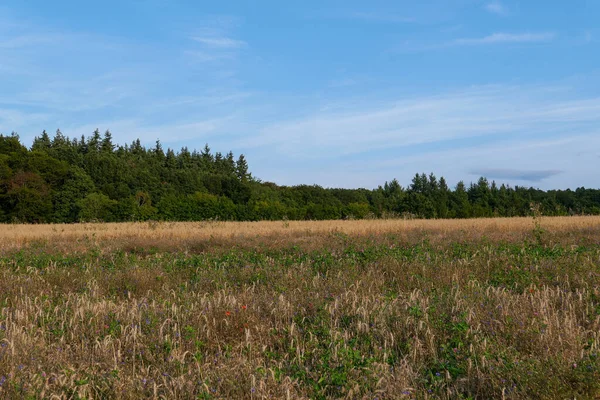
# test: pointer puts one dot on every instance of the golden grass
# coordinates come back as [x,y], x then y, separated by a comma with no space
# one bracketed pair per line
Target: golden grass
[162,233]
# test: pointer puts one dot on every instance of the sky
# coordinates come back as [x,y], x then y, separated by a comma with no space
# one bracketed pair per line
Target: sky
[339,93]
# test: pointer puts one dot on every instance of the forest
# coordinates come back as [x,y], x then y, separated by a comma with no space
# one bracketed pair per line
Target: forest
[67,180]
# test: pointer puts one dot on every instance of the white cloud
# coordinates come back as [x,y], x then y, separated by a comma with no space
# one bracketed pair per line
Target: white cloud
[493,39]
[206,99]
[207,57]
[527,175]
[127,130]
[467,163]
[220,42]
[381,17]
[18,42]
[519,127]
[475,112]
[523,158]
[496,7]
[342,82]
[11,120]
[215,42]
[498,38]
[112,78]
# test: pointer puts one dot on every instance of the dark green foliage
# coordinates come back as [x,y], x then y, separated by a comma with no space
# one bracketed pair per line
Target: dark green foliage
[77,186]
[97,207]
[69,180]
[28,198]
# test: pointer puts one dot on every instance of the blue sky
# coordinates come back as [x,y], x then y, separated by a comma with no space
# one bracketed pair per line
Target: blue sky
[338,93]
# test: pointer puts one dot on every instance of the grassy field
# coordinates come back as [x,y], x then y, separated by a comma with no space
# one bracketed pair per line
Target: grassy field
[496,308]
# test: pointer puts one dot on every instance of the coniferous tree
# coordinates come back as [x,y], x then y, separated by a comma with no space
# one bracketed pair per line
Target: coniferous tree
[64,180]
[206,159]
[107,144]
[461,207]
[94,141]
[42,143]
[158,150]
[170,159]
[241,168]
[59,140]
[83,146]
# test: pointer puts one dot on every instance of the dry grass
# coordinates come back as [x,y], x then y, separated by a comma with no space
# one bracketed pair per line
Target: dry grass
[179,235]
[373,309]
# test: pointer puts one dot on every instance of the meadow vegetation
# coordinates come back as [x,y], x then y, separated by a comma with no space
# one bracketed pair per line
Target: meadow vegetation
[382,309]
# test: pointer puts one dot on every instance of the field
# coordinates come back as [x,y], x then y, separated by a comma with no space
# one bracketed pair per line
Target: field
[383,309]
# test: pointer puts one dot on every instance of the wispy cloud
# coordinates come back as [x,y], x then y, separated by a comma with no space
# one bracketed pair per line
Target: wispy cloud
[457,163]
[11,119]
[22,41]
[131,129]
[215,41]
[342,82]
[496,7]
[516,174]
[138,91]
[381,17]
[498,38]
[495,111]
[494,39]
[201,56]
[220,42]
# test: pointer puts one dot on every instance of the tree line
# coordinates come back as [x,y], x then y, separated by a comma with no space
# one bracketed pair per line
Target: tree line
[66,180]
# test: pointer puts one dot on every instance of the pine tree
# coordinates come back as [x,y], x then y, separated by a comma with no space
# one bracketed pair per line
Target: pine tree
[158,150]
[219,163]
[206,159]
[418,183]
[59,139]
[83,147]
[241,168]
[170,159]
[460,201]
[443,185]
[432,183]
[136,147]
[184,158]
[107,144]
[94,141]
[230,164]
[42,143]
